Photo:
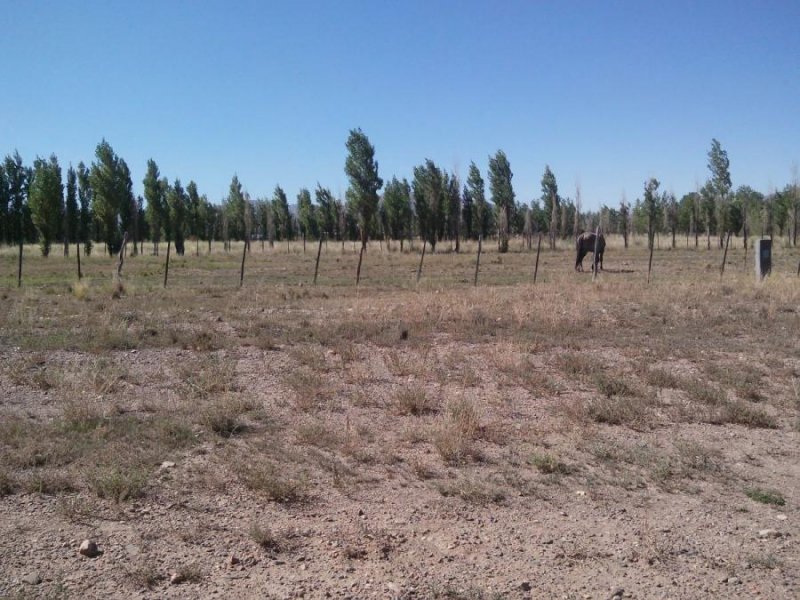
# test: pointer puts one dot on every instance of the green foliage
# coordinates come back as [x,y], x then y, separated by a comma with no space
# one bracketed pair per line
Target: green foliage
[111,194]
[327,217]
[502,194]
[476,188]
[194,226]
[306,215]
[766,496]
[361,169]
[46,200]
[397,200]
[86,217]
[155,194]
[17,178]
[176,205]
[429,200]
[282,218]
[551,201]
[235,210]
[453,207]
[71,212]
[651,207]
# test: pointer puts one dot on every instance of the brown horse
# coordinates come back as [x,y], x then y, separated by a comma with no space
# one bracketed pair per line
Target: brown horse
[585,244]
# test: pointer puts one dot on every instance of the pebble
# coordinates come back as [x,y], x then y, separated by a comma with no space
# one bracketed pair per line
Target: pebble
[525,586]
[781,517]
[769,533]
[89,548]
[734,580]
[176,578]
[32,578]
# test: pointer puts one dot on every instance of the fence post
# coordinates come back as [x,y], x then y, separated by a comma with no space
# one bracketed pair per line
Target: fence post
[478,261]
[538,250]
[316,267]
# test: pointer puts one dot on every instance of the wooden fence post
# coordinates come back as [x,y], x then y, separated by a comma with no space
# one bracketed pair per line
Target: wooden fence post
[316,267]
[477,262]
[241,273]
[421,258]
[725,255]
[166,268]
[538,250]
[650,263]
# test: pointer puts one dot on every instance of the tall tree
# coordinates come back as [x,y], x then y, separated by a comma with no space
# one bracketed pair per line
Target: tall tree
[429,201]
[235,206]
[110,180]
[624,217]
[326,211]
[17,179]
[4,224]
[453,208]
[552,203]
[720,185]
[176,205]
[155,194]
[193,223]
[397,199]
[86,217]
[477,191]
[652,208]
[576,220]
[502,193]
[708,206]
[281,215]
[46,201]
[671,215]
[306,215]
[71,211]
[361,169]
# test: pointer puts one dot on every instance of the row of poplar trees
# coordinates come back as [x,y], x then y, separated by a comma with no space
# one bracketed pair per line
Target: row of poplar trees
[97,204]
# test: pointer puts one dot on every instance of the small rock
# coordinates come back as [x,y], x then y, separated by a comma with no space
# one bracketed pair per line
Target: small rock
[781,517]
[617,594]
[167,464]
[769,533]
[32,578]
[177,578]
[525,586]
[233,560]
[734,580]
[89,549]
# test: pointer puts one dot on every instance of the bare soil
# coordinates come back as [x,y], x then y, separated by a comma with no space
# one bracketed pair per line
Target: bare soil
[572,439]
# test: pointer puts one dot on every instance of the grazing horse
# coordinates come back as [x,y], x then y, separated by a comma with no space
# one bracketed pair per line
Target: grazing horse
[585,244]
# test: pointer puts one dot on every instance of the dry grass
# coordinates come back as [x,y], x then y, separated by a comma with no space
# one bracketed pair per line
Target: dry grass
[293,394]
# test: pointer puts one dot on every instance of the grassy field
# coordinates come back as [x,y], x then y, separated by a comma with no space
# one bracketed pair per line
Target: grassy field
[272,420]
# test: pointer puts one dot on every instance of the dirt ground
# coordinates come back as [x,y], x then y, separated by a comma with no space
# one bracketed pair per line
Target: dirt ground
[569,439]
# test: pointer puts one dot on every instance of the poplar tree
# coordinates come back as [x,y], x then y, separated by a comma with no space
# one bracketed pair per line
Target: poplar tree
[46,201]
[17,178]
[71,211]
[397,200]
[154,193]
[86,218]
[111,185]
[720,185]
[361,169]
[477,190]
[281,216]
[326,211]
[502,194]
[306,214]
[429,201]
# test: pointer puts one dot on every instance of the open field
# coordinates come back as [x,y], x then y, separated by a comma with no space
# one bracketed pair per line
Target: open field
[399,440]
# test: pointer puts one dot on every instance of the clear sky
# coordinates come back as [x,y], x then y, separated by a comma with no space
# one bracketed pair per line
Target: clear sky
[607,93]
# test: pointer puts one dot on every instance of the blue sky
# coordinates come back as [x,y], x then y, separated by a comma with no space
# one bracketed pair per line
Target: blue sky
[607,93]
